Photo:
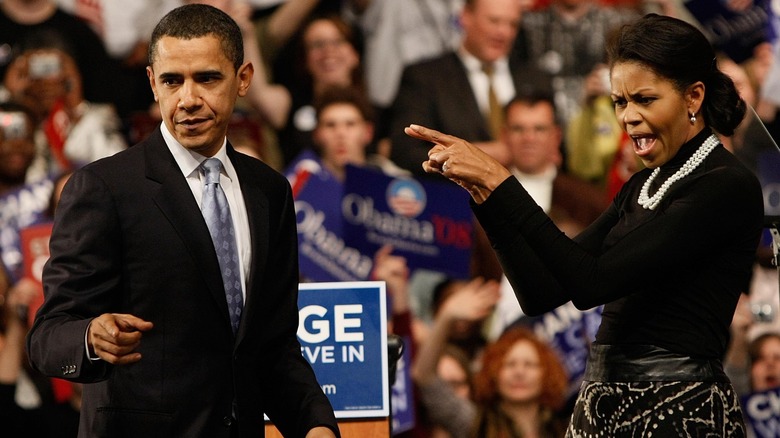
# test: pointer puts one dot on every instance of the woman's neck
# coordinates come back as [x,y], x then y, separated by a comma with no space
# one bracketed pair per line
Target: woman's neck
[527,417]
[28,11]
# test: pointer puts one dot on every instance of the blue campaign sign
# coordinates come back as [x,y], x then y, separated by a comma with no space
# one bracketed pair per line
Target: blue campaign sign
[403,418]
[343,335]
[428,222]
[762,412]
[19,209]
[322,253]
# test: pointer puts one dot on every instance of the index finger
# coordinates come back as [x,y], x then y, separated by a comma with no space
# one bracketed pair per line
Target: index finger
[422,133]
[130,323]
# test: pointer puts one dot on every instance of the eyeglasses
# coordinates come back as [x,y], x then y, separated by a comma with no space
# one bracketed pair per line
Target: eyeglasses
[535,130]
[323,44]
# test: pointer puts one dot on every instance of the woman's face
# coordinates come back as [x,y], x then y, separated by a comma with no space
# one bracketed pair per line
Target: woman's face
[765,372]
[520,376]
[330,58]
[653,112]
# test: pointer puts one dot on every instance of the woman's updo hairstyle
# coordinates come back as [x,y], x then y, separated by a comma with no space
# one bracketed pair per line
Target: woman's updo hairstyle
[677,51]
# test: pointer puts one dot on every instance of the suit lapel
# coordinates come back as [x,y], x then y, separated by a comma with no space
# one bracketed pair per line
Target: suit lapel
[466,96]
[175,200]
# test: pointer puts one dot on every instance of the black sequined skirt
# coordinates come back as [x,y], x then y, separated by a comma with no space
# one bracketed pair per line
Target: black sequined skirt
[646,391]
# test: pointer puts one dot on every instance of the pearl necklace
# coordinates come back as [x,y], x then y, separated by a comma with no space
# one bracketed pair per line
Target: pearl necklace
[650,203]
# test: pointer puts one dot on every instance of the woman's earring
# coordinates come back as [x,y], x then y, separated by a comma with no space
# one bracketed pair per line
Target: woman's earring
[693,118]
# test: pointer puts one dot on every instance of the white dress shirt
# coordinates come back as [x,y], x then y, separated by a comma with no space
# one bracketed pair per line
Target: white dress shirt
[188,162]
[503,85]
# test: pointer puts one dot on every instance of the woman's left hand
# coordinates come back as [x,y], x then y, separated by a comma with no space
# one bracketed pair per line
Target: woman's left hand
[461,162]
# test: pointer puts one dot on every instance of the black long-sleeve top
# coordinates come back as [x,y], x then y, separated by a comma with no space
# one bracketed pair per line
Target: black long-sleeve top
[668,277]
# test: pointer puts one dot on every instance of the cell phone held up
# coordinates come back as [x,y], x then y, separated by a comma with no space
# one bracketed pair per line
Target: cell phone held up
[44,65]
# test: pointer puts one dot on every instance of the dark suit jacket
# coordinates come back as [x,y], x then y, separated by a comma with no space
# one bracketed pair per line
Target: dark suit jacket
[437,94]
[129,238]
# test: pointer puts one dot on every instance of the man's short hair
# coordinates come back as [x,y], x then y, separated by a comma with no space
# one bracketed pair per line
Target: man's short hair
[196,21]
[347,96]
[533,98]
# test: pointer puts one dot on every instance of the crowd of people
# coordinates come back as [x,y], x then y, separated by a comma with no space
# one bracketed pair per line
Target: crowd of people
[525,84]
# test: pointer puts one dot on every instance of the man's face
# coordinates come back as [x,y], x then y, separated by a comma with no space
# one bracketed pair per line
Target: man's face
[342,134]
[490,28]
[532,136]
[196,86]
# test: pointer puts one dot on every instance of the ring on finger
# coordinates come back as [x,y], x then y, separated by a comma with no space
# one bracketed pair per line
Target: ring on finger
[445,166]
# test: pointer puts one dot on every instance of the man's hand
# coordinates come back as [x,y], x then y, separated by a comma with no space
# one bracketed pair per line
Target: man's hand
[114,337]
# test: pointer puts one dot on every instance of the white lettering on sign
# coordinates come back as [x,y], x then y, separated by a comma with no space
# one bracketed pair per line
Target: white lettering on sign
[320,327]
[342,322]
[314,327]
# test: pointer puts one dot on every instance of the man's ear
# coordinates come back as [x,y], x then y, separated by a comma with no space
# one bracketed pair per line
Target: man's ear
[245,73]
[152,82]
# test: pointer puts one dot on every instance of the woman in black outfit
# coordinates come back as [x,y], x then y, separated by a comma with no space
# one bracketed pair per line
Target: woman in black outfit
[668,258]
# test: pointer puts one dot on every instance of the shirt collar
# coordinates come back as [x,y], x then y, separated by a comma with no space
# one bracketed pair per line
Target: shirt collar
[189,161]
[473,64]
[548,175]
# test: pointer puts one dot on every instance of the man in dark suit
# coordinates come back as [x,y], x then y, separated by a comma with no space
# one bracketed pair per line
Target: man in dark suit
[135,292]
[452,93]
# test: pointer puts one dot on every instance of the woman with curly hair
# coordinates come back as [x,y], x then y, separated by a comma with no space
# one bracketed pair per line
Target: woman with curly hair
[520,388]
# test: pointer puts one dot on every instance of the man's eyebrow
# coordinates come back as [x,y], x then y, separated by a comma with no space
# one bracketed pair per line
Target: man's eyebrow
[211,73]
[164,76]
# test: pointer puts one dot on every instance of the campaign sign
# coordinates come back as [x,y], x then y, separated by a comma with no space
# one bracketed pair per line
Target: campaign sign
[322,253]
[769,177]
[762,412]
[402,395]
[427,222]
[343,335]
[35,252]
[19,209]
[569,331]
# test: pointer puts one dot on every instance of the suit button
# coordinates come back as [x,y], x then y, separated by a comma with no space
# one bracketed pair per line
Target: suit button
[227,421]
